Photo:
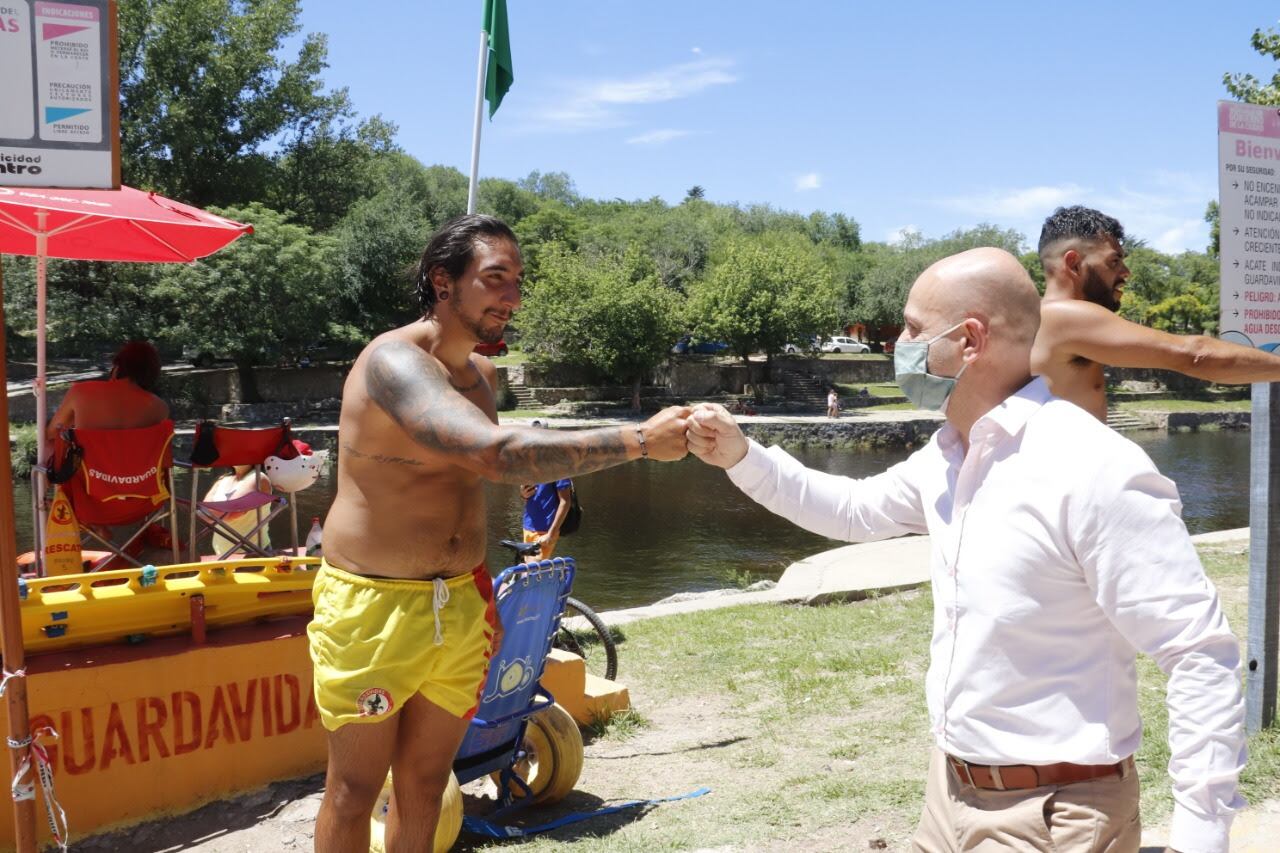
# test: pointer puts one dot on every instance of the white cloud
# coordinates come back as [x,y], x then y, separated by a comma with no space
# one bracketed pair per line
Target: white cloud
[808,181]
[657,137]
[1004,205]
[1164,208]
[596,104]
[696,50]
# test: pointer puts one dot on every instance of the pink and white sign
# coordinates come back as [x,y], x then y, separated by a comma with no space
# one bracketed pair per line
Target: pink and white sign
[1249,205]
[57,100]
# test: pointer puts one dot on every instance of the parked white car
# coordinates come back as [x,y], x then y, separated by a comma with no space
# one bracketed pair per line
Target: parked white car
[840,344]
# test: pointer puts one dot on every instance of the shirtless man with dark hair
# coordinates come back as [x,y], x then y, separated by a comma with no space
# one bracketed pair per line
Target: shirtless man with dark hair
[404,621]
[1083,251]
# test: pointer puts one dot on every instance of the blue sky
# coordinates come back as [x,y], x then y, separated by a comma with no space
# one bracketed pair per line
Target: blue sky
[925,116]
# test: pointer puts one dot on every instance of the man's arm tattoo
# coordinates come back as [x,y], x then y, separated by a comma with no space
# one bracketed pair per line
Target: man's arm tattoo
[378,457]
[414,390]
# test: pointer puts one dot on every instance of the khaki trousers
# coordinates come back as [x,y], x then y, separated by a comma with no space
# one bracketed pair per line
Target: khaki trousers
[1100,815]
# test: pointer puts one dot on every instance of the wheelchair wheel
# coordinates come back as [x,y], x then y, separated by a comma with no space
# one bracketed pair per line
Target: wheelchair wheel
[553,756]
[593,644]
[447,829]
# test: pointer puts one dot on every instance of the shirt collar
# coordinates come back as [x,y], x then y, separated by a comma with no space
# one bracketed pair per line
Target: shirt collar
[1009,417]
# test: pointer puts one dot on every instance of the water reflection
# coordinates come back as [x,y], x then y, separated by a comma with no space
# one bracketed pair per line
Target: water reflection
[650,530]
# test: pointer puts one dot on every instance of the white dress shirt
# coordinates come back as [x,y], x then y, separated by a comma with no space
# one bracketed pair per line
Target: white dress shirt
[1058,549]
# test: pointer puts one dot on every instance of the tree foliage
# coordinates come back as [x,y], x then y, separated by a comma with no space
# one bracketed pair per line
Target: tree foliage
[609,314]
[1250,89]
[203,90]
[882,292]
[264,298]
[763,293]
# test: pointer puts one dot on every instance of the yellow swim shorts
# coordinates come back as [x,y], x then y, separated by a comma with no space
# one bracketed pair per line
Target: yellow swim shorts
[376,642]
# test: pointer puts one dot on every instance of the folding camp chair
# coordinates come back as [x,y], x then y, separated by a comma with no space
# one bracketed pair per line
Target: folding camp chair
[119,478]
[219,446]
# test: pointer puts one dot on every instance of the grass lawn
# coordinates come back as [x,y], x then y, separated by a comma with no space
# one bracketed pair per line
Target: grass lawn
[513,356]
[809,724]
[874,389]
[1185,405]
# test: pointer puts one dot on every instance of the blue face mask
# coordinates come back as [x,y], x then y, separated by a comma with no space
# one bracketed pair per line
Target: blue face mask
[911,371]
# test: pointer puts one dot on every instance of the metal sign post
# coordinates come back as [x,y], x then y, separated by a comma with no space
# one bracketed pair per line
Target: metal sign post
[1249,205]
[1264,559]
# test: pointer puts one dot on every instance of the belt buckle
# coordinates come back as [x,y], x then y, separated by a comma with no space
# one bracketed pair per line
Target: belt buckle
[964,765]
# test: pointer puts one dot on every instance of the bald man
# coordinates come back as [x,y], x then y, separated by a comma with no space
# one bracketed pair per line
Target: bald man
[1082,252]
[1058,553]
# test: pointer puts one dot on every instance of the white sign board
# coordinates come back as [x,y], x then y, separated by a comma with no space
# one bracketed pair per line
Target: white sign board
[59,94]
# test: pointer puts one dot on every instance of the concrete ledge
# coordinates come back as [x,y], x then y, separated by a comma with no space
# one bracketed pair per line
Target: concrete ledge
[855,571]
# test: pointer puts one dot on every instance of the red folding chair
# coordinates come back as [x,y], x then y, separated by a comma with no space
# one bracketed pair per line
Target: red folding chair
[219,446]
[119,478]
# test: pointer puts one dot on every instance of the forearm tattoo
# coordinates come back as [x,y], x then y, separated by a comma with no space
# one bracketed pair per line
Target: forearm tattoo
[414,390]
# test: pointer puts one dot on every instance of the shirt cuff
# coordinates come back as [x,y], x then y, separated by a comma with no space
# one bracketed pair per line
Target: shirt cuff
[1193,833]
[751,469]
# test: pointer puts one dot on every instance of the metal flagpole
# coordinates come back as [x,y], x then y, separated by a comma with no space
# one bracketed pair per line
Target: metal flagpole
[475,137]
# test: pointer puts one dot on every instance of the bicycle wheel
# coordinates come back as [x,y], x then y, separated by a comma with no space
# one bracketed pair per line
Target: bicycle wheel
[592,641]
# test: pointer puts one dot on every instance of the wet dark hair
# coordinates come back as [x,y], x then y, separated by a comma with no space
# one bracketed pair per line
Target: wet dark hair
[1080,223]
[452,248]
[138,361]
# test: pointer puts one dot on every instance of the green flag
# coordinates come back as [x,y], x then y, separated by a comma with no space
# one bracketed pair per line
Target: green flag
[499,75]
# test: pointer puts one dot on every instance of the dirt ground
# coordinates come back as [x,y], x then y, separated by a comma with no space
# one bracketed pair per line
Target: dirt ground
[682,747]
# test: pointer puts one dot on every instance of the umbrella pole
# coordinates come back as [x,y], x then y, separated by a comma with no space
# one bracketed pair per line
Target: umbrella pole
[42,400]
[24,811]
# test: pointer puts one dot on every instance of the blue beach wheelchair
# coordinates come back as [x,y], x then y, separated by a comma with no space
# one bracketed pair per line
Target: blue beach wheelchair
[529,745]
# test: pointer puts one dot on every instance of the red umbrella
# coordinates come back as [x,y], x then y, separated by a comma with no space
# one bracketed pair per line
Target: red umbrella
[109,225]
[101,225]
[89,225]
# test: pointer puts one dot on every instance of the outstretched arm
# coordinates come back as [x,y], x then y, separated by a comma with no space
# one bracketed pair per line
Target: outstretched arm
[414,390]
[1074,328]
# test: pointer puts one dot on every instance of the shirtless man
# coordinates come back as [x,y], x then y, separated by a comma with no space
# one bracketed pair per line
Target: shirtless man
[124,400]
[1082,251]
[404,618]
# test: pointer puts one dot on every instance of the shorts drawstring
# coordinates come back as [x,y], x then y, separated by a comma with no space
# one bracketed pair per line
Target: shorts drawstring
[439,598]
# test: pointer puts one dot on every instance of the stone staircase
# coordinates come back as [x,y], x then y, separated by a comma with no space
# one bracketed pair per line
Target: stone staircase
[803,390]
[524,397]
[1121,420]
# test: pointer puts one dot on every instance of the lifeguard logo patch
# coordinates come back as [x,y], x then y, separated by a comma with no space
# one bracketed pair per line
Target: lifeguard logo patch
[375,702]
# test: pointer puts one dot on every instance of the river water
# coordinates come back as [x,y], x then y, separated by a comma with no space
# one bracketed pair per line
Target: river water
[650,530]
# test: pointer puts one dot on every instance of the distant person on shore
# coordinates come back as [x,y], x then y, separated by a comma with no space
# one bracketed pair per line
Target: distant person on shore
[1083,252]
[405,621]
[546,505]
[1058,554]
[126,399]
[833,403]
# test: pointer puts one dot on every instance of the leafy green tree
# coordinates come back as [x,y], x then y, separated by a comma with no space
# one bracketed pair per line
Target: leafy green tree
[552,225]
[763,293]
[264,298]
[610,314]
[1246,87]
[1213,217]
[329,167]
[506,200]
[376,250]
[551,186]
[695,193]
[1173,293]
[204,90]
[882,294]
